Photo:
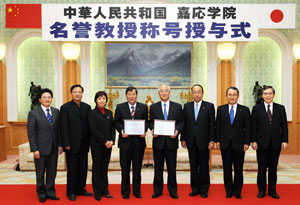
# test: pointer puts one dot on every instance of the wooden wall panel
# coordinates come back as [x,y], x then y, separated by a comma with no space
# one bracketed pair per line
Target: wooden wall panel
[2,144]
[16,135]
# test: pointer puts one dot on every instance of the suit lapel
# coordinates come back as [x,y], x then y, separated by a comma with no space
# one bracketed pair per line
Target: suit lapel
[43,116]
[137,110]
[275,111]
[264,111]
[237,114]
[171,111]
[201,109]
[227,113]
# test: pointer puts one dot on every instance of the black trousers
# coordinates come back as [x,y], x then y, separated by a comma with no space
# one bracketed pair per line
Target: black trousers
[199,164]
[46,164]
[229,157]
[159,156]
[101,156]
[134,155]
[77,165]
[267,159]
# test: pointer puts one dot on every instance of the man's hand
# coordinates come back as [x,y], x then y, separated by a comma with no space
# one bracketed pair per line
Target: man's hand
[143,135]
[109,144]
[254,145]
[183,144]
[284,145]
[211,145]
[218,145]
[246,147]
[36,154]
[68,148]
[60,150]
[152,132]
[124,135]
[175,135]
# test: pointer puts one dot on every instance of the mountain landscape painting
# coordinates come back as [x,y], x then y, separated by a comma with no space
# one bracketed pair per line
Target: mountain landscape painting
[148,64]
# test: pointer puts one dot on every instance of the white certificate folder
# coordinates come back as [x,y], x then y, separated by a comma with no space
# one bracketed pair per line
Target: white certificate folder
[134,127]
[164,127]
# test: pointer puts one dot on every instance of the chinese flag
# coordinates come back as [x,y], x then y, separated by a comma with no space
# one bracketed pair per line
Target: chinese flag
[23,16]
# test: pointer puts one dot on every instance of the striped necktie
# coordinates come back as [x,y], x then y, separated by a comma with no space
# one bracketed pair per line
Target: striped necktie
[49,116]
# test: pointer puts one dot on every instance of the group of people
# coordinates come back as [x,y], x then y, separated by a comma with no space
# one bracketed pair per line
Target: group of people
[76,128]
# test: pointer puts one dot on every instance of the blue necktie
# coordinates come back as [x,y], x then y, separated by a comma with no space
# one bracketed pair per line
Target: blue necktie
[165,112]
[231,114]
[196,111]
[49,116]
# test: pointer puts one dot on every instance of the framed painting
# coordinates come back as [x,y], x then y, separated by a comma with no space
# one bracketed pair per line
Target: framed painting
[148,65]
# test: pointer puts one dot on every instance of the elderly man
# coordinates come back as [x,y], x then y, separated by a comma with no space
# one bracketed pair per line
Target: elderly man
[165,147]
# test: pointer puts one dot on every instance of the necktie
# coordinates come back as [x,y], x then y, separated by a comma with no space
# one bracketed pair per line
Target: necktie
[231,114]
[49,116]
[269,114]
[132,112]
[196,111]
[165,112]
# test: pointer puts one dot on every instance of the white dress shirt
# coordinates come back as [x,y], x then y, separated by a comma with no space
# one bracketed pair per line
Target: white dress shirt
[234,108]
[167,107]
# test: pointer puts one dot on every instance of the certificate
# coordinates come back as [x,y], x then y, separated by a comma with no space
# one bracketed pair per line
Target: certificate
[164,127]
[134,127]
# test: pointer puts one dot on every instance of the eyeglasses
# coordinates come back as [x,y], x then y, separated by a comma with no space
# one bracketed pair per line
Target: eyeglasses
[270,93]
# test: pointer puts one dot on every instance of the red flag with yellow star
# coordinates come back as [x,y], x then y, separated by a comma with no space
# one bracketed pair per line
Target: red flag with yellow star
[23,16]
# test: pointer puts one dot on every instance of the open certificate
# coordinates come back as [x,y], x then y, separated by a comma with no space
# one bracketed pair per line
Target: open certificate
[164,127]
[134,127]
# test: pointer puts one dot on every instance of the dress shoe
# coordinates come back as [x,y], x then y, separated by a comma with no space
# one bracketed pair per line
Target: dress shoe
[125,196]
[174,196]
[108,196]
[193,194]
[138,195]
[98,198]
[72,197]
[52,197]
[85,193]
[228,195]
[154,196]
[261,195]
[204,195]
[274,195]
[42,200]
[238,196]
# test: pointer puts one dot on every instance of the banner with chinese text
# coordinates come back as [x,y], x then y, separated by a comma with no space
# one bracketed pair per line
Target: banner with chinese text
[163,22]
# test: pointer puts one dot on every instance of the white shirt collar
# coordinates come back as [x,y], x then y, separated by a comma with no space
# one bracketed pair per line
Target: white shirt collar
[234,108]
[271,106]
[45,110]
[199,104]
[131,106]
[167,107]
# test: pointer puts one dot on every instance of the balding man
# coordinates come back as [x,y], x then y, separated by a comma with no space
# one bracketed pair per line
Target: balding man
[165,147]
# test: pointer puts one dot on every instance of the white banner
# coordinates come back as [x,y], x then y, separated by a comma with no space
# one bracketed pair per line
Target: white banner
[162,22]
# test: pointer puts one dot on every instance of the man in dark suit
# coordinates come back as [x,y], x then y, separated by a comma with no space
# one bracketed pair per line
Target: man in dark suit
[165,147]
[270,136]
[132,147]
[198,136]
[75,136]
[233,136]
[45,143]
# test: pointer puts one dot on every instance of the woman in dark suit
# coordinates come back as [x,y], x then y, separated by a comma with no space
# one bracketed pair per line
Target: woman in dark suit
[102,140]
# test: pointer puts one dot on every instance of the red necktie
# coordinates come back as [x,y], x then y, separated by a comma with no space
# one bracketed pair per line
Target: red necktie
[132,112]
[269,114]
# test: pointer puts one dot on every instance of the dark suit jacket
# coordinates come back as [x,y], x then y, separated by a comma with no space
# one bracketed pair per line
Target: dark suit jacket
[201,131]
[263,132]
[101,126]
[122,113]
[175,113]
[75,125]
[43,137]
[239,131]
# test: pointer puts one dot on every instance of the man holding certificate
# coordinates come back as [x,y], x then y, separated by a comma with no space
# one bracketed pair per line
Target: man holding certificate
[198,137]
[166,123]
[131,122]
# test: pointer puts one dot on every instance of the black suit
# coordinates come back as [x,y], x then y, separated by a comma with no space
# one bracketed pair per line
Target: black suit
[76,134]
[269,137]
[131,148]
[44,138]
[165,147]
[232,139]
[101,126]
[197,134]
